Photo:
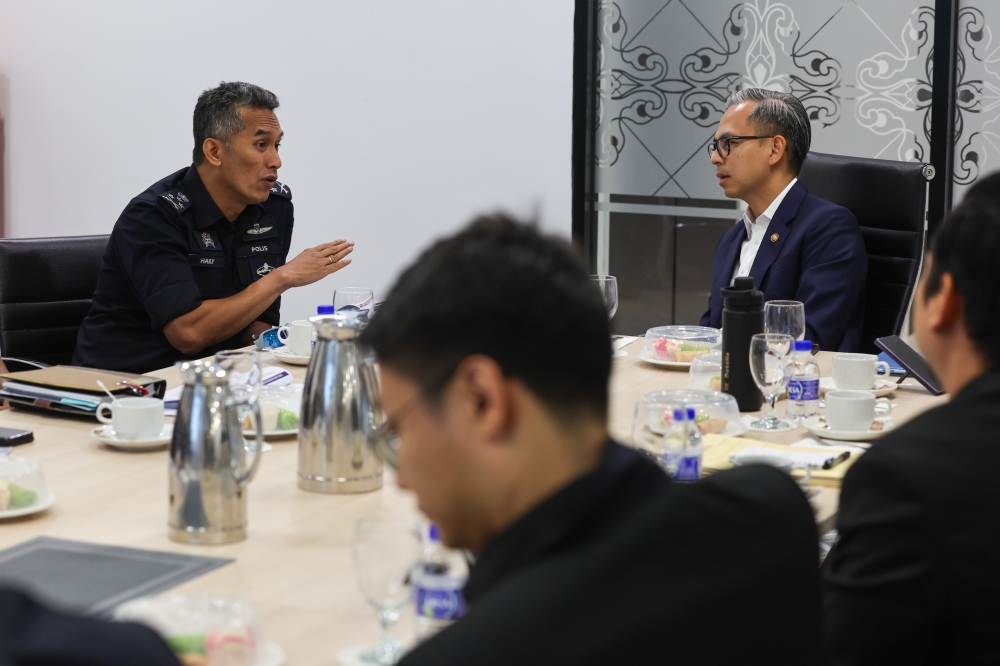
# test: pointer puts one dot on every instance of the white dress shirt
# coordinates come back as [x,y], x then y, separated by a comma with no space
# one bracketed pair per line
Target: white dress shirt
[755,233]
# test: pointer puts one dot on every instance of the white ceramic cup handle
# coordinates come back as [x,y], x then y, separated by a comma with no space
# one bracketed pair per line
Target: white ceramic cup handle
[882,403]
[879,366]
[100,413]
[283,333]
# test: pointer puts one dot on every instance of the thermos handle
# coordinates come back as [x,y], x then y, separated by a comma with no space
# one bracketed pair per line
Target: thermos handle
[236,441]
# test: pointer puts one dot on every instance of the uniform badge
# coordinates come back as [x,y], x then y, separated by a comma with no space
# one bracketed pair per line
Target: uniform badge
[208,241]
[263,228]
[774,238]
[281,190]
[177,200]
[264,269]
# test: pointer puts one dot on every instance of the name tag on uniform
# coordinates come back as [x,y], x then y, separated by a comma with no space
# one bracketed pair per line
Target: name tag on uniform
[206,261]
[264,228]
[261,247]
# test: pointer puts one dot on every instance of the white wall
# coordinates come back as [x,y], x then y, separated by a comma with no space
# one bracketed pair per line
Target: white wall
[401,118]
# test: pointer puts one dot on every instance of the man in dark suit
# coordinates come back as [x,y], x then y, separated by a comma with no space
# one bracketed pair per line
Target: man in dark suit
[915,575]
[793,244]
[32,635]
[587,554]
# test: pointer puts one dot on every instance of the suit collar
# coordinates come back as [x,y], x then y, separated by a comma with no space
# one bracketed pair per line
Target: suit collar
[777,232]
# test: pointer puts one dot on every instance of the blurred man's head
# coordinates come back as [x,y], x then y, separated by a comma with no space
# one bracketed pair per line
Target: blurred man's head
[746,165]
[495,354]
[956,310]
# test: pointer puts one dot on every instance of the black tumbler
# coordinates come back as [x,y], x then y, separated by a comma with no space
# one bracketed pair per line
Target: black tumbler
[742,318]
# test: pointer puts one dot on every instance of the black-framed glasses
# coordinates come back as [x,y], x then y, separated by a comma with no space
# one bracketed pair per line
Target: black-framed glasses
[724,143]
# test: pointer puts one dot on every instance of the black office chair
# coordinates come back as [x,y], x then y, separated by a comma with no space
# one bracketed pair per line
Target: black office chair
[889,198]
[46,285]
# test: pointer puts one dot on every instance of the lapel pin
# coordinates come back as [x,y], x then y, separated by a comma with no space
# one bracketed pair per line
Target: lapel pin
[774,238]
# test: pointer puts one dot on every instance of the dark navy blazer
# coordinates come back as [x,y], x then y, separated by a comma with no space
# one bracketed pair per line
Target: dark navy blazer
[813,252]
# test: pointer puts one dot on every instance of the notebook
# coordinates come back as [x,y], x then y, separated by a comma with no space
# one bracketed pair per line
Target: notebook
[719,450]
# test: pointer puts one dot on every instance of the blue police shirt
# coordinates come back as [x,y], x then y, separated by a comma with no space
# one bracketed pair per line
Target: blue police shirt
[172,248]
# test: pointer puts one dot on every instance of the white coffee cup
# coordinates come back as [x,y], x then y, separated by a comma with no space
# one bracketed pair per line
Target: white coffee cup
[858,371]
[298,336]
[133,418]
[854,411]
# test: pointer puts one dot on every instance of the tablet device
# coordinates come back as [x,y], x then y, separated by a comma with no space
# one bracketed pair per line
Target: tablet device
[912,362]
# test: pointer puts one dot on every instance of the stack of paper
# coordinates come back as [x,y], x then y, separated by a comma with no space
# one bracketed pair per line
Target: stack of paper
[719,450]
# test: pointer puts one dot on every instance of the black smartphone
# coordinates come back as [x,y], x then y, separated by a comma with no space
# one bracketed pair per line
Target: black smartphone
[911,361]
[14,437]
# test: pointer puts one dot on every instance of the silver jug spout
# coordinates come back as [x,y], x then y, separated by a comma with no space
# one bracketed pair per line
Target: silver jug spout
[208,459]
[337,415]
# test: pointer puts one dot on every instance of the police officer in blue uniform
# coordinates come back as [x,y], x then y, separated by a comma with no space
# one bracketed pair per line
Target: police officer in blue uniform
[197,263]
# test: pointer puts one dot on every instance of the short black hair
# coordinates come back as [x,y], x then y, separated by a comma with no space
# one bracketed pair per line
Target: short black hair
[217,113]
[501,289]
[778,113]
[967,246]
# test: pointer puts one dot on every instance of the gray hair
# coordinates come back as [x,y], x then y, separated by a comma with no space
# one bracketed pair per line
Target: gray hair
[778,113]
[217,113]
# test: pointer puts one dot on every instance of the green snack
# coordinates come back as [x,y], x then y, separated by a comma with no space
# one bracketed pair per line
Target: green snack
[701,418]
[21,497]
[190,644]
[687,347]
[287,420]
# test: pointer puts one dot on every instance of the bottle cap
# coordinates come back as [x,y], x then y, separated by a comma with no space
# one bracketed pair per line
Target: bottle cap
[324,309]
[433,534]
[742,295]
[691,413]
[803,345]
[678,415]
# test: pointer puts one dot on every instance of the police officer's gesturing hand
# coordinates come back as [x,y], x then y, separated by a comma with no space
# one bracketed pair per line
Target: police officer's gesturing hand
[316,263]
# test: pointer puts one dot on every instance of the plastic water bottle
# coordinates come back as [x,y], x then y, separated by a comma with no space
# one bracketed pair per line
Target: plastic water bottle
[437,582]
[803,387]
[674,443]
[321,310]
[689,470]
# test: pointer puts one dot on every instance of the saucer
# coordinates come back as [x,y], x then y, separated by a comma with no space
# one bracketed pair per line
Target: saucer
[821,429]
[37,507]
[676,365]
[289,357]
[107,435]
[882,388]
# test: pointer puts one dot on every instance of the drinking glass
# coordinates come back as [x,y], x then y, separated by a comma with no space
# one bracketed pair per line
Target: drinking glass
[386,548]
[767,364]
[353,299]
[609,290]
[788,317]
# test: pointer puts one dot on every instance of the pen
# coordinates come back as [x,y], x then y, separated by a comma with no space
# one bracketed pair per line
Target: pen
[833,462]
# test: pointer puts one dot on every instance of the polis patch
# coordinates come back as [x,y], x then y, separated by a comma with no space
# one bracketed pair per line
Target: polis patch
[263,228]
[203,261]
[261,247]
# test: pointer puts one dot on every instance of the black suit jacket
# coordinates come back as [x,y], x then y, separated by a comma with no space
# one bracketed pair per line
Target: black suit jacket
[31,635]
[724,571]
[915,575]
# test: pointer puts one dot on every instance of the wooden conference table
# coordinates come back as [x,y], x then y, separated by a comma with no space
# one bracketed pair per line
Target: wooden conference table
[295,566]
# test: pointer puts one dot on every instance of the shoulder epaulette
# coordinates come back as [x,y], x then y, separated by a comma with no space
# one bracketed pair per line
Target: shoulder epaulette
[177,200]
[279,189]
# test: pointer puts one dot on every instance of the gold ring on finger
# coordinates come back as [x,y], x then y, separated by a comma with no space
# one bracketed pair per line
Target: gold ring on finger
[331,259]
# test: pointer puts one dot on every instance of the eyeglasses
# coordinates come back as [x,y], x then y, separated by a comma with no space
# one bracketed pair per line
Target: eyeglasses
[724,143]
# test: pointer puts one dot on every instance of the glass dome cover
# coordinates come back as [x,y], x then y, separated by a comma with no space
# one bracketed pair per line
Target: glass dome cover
[714,413]
[22,483]
[706,372]
[200,629]
[679,344]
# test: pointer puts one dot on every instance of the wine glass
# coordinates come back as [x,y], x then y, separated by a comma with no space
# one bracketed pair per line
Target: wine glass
[386,548]
[767,365]
[788,317]
[353,299]
[609,290]
[245,381]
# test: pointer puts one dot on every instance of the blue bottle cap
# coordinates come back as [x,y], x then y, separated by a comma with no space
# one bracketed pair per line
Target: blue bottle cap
[691,413]
[324,309]
[678,415]
[433,534]
[803,345]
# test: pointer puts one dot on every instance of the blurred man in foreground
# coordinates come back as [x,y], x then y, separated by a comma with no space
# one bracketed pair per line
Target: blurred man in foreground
[915,575]
[495,355]
[793,244]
